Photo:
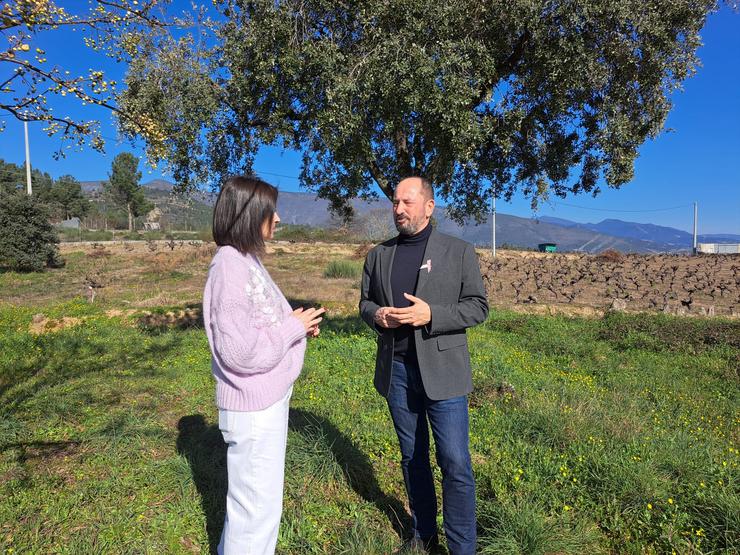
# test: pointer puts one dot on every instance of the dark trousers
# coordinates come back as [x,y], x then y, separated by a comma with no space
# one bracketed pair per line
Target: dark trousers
[411,409]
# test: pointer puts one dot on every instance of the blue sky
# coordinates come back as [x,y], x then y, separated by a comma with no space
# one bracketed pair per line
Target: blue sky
[698,159]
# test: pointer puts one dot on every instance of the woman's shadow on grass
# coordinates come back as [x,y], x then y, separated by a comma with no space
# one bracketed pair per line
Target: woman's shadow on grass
[203,447]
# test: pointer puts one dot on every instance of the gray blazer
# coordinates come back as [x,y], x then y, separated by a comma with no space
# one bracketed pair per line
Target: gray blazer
[454,290]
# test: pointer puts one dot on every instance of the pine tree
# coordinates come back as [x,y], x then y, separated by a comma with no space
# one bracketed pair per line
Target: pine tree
[123,187]
[28,242]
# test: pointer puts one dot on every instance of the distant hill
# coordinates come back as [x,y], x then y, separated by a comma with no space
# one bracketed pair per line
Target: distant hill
[719,238]
[96,187]
[671,237]
[557,221]
[159,185]
[91,187]
[182,213]
[306,209]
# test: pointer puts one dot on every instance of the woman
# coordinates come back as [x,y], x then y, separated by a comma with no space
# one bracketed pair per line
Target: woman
[257,346]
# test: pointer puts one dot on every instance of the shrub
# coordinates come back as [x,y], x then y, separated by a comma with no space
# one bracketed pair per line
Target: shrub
[514,247]
[28,242]
[309,234]
[132,236]
[362,250]
[101,252]
[610,255]
[205,235]
[657,332]
[73,235]
[343,269]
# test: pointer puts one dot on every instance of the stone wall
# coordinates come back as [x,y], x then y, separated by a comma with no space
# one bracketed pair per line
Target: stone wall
[704,285]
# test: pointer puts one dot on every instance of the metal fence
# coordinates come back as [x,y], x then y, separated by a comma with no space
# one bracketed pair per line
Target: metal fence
[718,248]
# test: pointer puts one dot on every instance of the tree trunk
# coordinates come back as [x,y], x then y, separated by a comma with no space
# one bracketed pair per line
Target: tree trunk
[130,218]
[380,179]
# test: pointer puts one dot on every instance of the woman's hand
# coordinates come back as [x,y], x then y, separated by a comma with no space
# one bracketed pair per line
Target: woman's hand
[310,318]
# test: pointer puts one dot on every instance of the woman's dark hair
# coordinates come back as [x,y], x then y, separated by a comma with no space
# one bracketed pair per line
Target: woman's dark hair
[242,207]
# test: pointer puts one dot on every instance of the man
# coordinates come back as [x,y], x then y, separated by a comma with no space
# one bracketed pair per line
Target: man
[420,291]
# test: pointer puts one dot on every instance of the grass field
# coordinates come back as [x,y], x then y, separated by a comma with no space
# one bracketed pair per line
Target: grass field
[613,435]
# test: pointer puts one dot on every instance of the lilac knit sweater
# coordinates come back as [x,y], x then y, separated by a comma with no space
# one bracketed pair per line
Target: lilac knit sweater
[257,346]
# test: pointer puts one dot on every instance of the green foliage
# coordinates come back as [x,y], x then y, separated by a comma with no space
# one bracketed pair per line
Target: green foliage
[205,235]
[512,247]
[74,235]
[70,235]
[658,332]
[346,269]
[63,197]
[182,212]
[123,187]
[28,242]
[13,178]
[478,96]
[67,200]
[309,234]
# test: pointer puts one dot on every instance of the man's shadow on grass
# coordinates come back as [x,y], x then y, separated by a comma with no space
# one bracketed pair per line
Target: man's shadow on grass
[356,467]
[205,451]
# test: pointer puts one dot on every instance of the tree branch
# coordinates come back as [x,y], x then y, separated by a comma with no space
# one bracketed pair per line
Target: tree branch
[5,83]
[78,93]
[80,128]
[56,17]
[504,68]
[380,179]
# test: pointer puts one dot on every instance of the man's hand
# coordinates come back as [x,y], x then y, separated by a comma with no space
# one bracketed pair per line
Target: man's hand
[418,314]
[381,317]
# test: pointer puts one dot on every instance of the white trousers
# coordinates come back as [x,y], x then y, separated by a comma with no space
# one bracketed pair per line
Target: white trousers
[255,463]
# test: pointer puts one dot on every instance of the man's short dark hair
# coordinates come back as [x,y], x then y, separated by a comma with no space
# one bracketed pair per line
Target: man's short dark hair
[243,206]
[426,186]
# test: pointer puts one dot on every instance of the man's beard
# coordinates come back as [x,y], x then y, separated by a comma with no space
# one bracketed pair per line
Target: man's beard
[411,227]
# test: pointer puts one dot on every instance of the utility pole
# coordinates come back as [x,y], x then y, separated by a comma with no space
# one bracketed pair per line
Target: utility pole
[493,222]
[696,217]
[28,160]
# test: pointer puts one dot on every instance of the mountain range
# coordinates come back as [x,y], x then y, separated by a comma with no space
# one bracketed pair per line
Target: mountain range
[646,232]
[307,209]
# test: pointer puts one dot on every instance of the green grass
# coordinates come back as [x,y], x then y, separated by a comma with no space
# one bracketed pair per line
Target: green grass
[309,234]
[74,235]
[588,436]
[343,269]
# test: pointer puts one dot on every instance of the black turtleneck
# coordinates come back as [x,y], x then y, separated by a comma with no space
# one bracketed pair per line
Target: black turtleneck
[406,263]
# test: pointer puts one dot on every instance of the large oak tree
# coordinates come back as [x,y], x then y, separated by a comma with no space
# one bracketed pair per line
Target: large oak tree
[549,97]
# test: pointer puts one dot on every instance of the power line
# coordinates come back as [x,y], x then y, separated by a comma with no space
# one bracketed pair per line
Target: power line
[21,170]
[553,203]
[621,211]
[278,175]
